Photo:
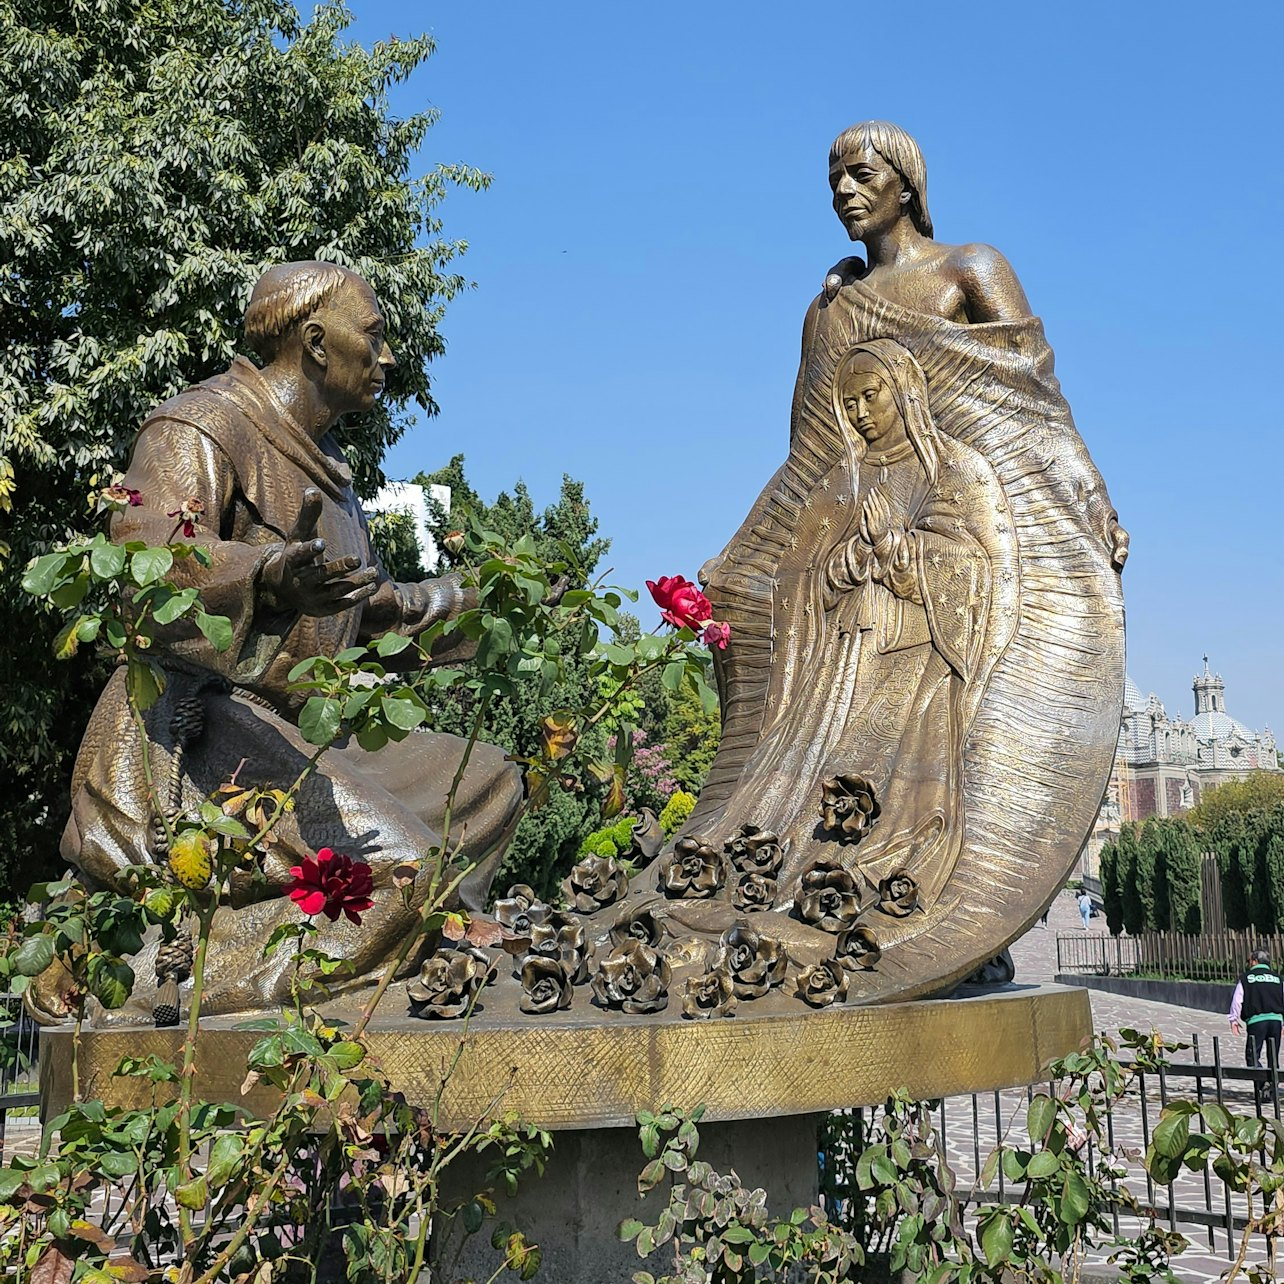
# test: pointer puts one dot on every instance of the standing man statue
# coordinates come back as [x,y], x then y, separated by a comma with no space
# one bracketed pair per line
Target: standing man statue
[294,571]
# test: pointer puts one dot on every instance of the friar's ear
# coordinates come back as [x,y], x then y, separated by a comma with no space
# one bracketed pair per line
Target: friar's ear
[312,336]
[906,196]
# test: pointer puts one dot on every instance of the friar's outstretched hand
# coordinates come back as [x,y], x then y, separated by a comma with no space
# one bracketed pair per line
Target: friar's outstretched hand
[296,578]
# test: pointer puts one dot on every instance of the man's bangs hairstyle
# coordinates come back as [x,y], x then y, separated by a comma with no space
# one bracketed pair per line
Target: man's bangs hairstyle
[901,152]
[286,295]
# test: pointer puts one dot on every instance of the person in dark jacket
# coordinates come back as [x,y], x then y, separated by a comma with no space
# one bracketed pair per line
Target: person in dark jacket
[1258,1003]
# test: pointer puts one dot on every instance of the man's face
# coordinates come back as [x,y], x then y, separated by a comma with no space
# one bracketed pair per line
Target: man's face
[867,193]
[357,356]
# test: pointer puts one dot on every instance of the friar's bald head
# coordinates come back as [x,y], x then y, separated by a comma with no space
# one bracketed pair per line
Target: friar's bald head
[287,294]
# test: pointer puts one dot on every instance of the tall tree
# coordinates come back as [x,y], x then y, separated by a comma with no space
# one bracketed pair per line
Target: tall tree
[1111,891]
[1127,849]
[1180,859]
[158,155]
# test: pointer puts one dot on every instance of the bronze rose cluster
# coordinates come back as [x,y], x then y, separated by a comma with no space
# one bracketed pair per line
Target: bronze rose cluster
[594,883]
[756,855]
[633,977]
[448,982]
[828,896]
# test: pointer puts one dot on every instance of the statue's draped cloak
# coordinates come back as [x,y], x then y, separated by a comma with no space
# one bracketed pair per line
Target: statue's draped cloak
[1041,730]
[228,444]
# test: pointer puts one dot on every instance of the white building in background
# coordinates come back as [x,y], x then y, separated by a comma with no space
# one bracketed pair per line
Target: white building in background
[1163,765]
[408,497]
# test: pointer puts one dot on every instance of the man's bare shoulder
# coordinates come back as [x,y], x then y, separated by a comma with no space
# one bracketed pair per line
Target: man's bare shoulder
[988,281]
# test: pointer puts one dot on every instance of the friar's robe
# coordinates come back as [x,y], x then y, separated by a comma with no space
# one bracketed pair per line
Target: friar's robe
[227,443]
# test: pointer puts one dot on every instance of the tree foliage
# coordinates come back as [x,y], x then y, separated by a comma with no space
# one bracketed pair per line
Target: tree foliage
[547,841]
[1257,790]
[158,155]
[1150,878]
[692,734]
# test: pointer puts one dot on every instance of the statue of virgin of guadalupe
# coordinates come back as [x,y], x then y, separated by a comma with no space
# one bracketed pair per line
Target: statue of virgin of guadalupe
[898,592]
[925,672]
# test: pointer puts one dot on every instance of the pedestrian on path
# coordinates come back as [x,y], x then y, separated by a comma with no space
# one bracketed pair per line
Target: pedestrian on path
[1258,1002]
[1085,908]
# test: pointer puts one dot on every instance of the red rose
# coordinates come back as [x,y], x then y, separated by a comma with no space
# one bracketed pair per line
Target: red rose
[717,634]
[189,516]
[680,602]
[331,885]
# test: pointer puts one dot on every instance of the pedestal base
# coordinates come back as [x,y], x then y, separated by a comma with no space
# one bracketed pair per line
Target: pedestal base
[599,1070]
[589,1187]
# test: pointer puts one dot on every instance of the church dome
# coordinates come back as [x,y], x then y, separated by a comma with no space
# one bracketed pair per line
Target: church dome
[1133,699]
[1216,726]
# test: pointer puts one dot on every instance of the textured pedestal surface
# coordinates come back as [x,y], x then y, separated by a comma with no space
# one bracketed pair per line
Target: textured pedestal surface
[589,1186]
[600,1070]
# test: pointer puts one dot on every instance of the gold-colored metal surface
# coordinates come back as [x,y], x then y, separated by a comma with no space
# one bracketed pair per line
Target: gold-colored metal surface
[294,571]
[581,1072]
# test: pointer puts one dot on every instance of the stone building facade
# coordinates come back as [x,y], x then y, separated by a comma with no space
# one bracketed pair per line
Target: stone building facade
[1163,764]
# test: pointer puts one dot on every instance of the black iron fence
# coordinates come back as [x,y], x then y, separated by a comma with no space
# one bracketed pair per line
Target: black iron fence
[1210,956]
[19,1064]
[1198,1204]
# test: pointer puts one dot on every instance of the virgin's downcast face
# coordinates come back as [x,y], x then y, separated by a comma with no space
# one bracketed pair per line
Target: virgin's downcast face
[869,405]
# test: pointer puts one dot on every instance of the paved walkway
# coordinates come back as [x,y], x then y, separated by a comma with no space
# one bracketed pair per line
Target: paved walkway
[1035,956]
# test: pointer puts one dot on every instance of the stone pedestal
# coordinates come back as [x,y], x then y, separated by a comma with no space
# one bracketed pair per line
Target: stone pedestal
[589,1186]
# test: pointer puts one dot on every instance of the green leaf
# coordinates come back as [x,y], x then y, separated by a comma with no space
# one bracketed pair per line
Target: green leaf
[67,642]
[1044,1164]
[319,720]
[1040,1116]
[630,1228]
[193,1194]
[34,955]
[107,561]
[1216,1117]
[997,1238]
[43,573]
[110,980]
[149,565]
[1075,1199]
[225,1155]
[346,1054]
[217,629]
[174,606]
[1171,1134]
[144,682]
[403,712]
[391,644]
[88,627]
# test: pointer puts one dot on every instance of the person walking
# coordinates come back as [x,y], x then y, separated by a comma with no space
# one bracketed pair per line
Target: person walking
[1085,908]
[1258,1003]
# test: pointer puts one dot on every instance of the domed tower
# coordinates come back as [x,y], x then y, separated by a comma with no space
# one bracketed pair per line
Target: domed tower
[1210,692]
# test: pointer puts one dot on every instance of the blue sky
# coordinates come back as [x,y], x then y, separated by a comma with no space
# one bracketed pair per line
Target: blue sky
[659,219]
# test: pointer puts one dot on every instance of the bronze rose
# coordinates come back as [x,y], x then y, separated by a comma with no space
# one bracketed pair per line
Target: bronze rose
[898,894]
[448,981]
[754,892]
[710,995]
[645,839]
[848,808]
[634,978]
[828,897]
[517,914]
[567,943]
[640,925]
[858,947]
[823,983]
[593,883]
[545,985]
[755,962]
[755,851]
[693,870]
